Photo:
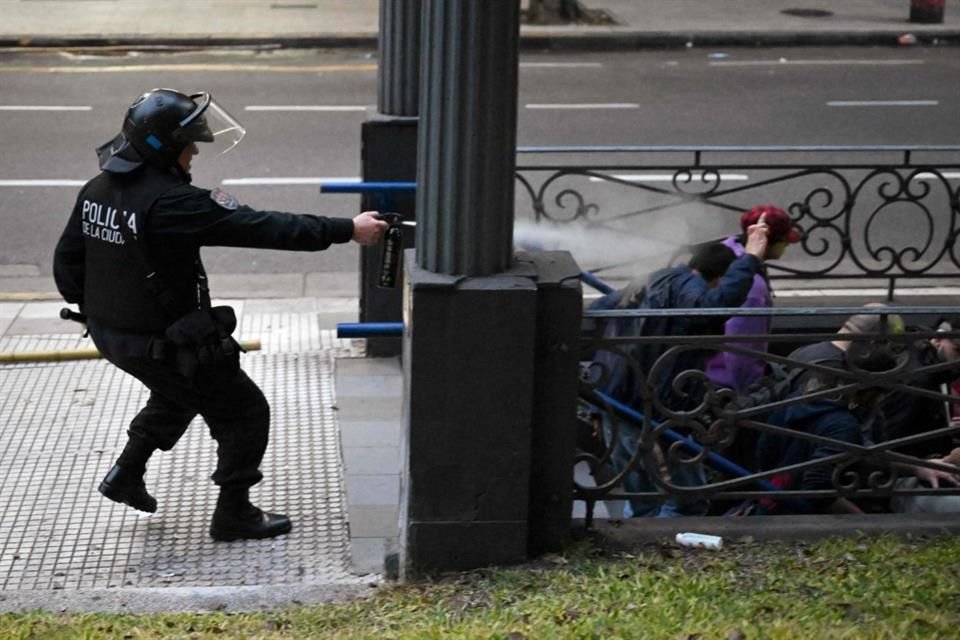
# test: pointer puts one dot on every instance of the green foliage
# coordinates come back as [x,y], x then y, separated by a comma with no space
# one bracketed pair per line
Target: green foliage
[843,588]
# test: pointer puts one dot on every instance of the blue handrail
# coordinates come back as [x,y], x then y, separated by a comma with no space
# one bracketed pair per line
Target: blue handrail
[715,460]
[595,282]
[369,329]
[366,187]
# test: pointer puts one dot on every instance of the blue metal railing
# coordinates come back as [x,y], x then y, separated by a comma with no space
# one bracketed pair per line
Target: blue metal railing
[385,191]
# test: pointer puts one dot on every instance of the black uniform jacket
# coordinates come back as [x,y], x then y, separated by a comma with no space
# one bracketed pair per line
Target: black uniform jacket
[96,268]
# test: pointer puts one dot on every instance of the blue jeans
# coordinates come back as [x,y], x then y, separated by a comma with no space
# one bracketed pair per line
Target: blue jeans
[639,479]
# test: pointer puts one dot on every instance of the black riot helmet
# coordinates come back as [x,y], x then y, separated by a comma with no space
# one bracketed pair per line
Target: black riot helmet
[161,123]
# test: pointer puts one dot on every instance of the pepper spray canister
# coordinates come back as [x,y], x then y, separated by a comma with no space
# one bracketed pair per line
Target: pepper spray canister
[392,250]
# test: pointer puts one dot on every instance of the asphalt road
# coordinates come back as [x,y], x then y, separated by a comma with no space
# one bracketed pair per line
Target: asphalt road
[303,111]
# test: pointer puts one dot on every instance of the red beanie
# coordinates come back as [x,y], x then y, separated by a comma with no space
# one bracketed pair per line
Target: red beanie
[778,220]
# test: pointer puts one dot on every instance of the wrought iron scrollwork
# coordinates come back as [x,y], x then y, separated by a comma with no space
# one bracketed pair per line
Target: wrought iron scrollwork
[852,214]
[710,420]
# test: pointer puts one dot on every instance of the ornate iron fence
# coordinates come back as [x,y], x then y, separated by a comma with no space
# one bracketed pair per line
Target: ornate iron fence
[886,213]
[736,438]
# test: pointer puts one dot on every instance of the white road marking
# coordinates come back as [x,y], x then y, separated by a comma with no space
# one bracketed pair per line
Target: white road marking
[42,183]
[201,68]
[878,292]
[305,107]
[883,103]
[43,107]
[784,61]
[949,175]
[666,177]
[245,182]
[585,105]
[561,65]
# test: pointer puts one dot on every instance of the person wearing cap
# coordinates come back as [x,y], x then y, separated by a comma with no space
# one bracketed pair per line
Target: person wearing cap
[736,371]
[831,353]
[714,277]
[881,415]
[907,415]
[845,417]
[129,256]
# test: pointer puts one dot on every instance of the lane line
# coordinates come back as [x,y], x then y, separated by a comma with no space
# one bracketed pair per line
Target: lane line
[43,107]
[305,107]
[561,65]
[42,183]
[878,292]
[666,177]
[883,103]
[585,105]
[246,182]
[949,175]
[784,61]
[200,68]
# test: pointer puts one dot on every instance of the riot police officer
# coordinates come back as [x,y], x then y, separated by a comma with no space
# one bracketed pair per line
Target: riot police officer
[130,258]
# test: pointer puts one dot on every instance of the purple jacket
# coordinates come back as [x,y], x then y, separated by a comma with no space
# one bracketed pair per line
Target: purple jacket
[735,371]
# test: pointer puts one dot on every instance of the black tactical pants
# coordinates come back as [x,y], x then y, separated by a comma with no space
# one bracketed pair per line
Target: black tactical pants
[230,403]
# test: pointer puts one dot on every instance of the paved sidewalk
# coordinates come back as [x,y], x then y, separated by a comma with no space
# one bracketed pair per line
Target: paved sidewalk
[328,23]
[332,465]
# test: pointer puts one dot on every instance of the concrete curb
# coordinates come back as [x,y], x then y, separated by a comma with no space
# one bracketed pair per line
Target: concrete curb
[674,39]
[566,40]
[768,528]
[185,599]
[139,42]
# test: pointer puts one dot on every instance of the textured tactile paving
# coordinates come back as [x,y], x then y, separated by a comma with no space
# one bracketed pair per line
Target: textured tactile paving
[64,423]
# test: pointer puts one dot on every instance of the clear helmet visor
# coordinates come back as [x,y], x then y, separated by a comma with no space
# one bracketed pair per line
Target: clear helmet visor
[227,131]
[212,124]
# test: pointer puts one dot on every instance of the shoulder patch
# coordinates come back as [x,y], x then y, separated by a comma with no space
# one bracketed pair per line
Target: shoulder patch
[224,199]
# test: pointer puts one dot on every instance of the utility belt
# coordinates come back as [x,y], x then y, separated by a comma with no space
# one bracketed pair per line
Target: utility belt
[201,338]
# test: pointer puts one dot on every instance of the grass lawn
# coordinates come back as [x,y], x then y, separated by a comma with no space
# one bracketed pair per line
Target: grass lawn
[841,588]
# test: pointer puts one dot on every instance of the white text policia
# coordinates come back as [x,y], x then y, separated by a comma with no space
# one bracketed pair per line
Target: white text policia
[102,223]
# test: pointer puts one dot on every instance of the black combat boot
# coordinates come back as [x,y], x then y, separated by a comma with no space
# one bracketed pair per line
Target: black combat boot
[124,482]
[235,518]
[125,485]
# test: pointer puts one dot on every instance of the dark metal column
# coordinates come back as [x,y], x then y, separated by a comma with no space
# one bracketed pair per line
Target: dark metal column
[398,74]
[467,145]
[390,154]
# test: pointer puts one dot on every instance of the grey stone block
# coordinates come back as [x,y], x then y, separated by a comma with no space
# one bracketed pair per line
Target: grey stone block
[367,555]
[369,521]
[380,489]
[367,407]
[359,433]
[371,460]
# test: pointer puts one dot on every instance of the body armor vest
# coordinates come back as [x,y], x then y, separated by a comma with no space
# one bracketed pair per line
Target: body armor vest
[116,288]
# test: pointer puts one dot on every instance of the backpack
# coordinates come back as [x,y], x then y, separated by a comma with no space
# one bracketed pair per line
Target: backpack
[778,384]
[620,380]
